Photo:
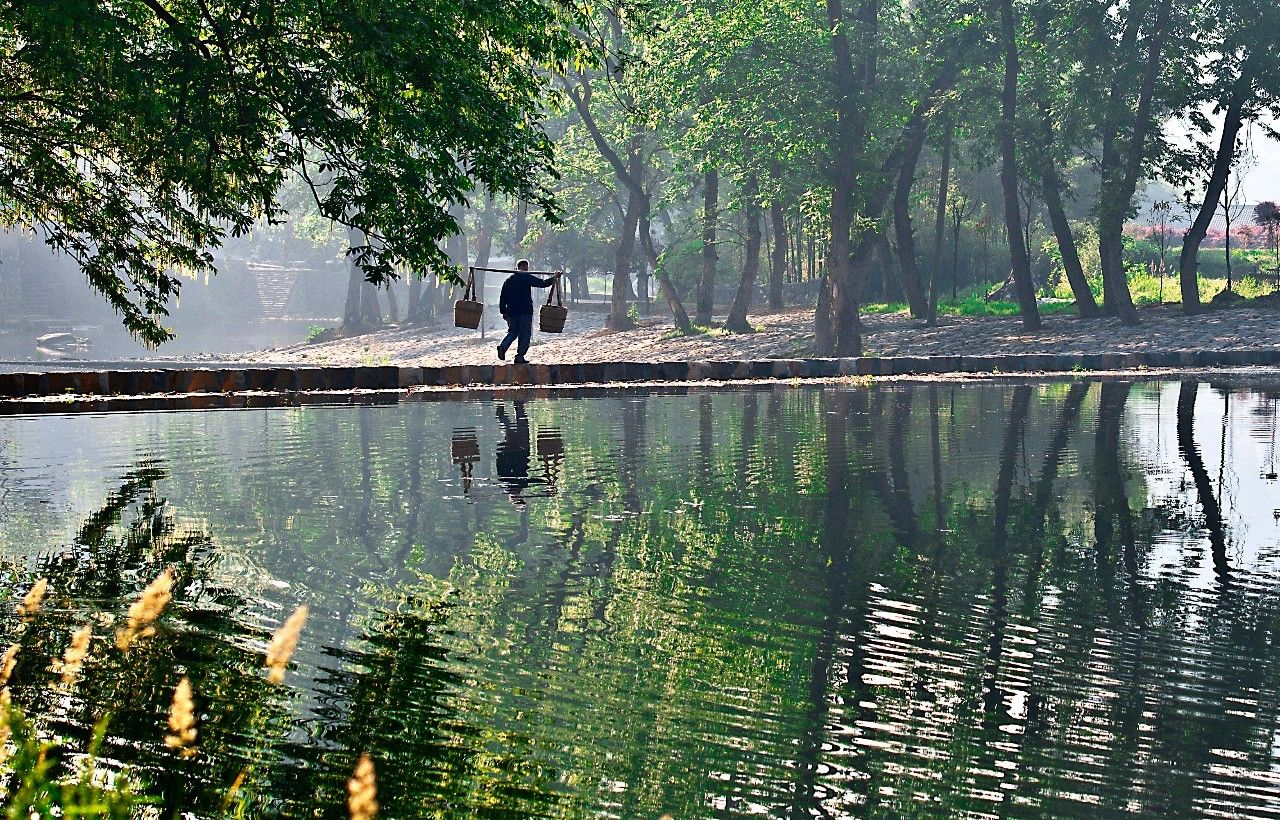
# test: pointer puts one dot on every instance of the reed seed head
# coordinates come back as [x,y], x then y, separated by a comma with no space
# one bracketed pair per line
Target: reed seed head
[362,790]
[283,644]
[7,661]
[144,611]
[73,659]
[35,596]
[182,720]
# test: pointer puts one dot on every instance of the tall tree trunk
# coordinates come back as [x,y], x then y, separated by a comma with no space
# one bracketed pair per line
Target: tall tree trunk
[351,310]
[904,237]
[1009,172]
[370,308]
[393,304]
[1121,169]
[1052,190]
[851,83]
[939,226]
[824,334]
[521,227]
[678,313]
[710,216]
[778,267]
[413,310]
[620,298]
[736,322]
[1188,259]
[351,313]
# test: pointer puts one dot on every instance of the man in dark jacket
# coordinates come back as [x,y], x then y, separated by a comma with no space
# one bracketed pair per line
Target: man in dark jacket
[516,305]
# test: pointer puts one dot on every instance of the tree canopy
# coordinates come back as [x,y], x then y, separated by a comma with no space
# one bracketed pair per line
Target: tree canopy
[136,136]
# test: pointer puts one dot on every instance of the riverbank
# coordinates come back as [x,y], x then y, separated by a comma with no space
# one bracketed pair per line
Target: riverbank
[788,334]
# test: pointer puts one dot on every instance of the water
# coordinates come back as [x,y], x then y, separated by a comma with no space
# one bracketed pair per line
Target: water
[979,600]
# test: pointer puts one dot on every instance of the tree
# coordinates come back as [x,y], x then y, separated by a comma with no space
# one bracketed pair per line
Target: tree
[1018,256]
[136,137]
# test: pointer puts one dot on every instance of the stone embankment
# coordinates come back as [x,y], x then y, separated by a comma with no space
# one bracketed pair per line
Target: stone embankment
[25,391]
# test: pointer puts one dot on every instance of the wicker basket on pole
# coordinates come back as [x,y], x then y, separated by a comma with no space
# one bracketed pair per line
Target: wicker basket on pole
[551,318]
[468,310]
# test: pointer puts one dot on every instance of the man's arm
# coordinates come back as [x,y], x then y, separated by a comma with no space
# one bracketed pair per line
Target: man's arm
[545,283]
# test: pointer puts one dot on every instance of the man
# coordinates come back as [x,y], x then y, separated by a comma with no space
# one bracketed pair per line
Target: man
[516,305]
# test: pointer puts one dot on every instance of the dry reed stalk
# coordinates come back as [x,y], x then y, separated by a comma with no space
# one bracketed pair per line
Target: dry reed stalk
[7,661]
[73,659]
[283,644]
[362,790]
[35,596]
[182,720]
[144,611]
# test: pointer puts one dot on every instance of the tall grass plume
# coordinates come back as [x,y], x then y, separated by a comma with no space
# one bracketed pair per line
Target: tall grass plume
[144,611]
[283,644]
[182,720]
[362,790]
[35,596]
[73,659]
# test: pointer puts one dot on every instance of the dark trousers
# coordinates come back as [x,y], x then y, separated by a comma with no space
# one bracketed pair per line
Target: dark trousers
[518,327]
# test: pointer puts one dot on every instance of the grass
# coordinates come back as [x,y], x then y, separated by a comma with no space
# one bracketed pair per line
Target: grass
[970,304]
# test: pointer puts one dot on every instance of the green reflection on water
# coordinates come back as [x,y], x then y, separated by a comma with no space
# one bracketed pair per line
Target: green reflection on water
[987,599]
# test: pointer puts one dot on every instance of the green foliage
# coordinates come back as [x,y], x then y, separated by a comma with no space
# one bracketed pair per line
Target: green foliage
[38,790]
[137,136]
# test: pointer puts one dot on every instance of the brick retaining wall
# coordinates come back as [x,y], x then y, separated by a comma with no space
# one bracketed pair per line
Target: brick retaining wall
[309,379]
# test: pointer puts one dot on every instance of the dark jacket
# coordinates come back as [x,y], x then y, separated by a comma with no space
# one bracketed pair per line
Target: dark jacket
[517,293]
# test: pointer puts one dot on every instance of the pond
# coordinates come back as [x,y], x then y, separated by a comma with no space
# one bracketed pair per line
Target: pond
[982,599]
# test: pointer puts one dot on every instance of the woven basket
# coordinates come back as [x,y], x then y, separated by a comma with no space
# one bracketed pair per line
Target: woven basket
[468,310]
[551,317]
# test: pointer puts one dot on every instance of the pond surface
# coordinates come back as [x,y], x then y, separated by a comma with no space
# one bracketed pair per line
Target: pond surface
[987,600]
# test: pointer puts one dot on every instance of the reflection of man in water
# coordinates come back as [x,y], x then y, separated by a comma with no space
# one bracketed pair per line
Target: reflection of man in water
[513,452]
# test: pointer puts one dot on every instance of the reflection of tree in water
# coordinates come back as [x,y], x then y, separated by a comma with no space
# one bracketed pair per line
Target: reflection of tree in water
[691,644]
[117,550]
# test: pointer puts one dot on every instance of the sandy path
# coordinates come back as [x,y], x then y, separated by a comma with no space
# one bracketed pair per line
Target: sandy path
[789,334]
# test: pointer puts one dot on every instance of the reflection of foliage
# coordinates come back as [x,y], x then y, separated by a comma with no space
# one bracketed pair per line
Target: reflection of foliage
[787,601]
[118,549]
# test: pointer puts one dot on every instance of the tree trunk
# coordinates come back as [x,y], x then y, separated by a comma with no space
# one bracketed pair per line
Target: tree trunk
[1009,172]
[620,298]
[351,310]
[939,226]
[678,313]
[393,304]
[824,334]
[778,268]
[1188,259]
[370,308]
[413,310]
[1121,170]
[521,227]
[736,322]
[1085,303]
[904,237]
[710,216]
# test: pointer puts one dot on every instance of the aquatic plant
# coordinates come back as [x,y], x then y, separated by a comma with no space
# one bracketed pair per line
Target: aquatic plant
[73,659]
[283,644]
[182,720]
[35,596]
[362,790]
[144,612]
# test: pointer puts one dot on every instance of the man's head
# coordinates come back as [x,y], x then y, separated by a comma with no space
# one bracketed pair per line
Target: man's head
[523,264]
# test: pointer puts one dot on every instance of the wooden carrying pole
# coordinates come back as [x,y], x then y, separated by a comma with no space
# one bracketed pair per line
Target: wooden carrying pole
[512,270]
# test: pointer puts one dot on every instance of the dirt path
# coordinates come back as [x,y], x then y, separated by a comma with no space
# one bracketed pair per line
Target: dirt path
[789,334]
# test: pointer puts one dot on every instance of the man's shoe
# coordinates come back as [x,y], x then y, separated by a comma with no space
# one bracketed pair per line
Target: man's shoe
[502,353]
[521,360]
